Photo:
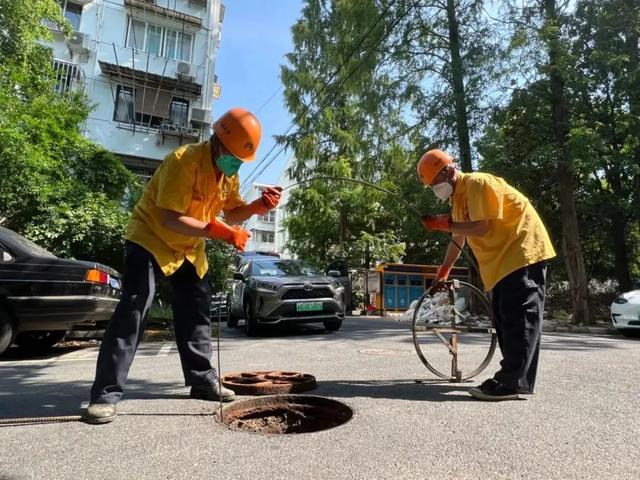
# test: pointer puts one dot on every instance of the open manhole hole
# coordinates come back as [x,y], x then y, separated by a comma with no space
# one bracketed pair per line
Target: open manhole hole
[271,382]
[282,414]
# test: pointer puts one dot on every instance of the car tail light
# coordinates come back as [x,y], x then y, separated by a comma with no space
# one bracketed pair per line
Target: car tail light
[97,276]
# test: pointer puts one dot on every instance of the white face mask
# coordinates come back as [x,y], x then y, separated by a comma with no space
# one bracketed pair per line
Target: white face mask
[442,190]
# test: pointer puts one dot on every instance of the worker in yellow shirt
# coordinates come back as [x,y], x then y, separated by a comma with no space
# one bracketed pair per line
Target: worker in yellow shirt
[512,247]
[166,236]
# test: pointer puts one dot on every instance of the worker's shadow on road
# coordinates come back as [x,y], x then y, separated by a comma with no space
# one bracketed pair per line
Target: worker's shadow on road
[400,389]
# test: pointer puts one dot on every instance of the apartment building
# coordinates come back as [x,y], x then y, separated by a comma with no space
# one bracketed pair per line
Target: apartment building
[281,233]
[148,66]
[261,227]
[268,232]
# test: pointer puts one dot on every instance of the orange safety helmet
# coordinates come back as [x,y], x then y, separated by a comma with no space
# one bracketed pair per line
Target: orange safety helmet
[239,131]
[431,163]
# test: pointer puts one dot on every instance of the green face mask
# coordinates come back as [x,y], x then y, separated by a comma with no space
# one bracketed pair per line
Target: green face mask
[228,164]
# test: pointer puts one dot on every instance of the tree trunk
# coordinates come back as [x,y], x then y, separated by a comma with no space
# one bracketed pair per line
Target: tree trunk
[618,232]
[457,82]
[572,248]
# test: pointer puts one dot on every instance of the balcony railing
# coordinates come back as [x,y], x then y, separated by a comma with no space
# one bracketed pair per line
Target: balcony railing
[264,246]
[70,77]
[50,24]
[121,62]
[179,131]
[157,9]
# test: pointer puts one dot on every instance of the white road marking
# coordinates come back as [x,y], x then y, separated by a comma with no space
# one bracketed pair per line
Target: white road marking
[164,351]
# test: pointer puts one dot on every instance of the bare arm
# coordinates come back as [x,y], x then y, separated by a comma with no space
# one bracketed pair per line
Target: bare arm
[239,214]
[478,228]
[453,250]
[183,224]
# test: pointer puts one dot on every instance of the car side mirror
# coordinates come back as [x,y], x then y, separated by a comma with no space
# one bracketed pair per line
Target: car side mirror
[333,273]
[238,276]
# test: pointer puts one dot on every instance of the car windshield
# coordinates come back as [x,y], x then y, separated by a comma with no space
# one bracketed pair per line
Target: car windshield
[282,268]
[27,244]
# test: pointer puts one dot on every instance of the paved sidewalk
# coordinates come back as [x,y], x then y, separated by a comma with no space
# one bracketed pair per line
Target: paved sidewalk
[582,422]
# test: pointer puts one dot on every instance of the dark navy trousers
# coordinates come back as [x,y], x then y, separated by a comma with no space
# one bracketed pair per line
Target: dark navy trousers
[518,305]
[191,316]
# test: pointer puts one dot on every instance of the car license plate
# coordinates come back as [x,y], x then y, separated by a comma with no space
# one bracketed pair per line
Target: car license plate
[309,307]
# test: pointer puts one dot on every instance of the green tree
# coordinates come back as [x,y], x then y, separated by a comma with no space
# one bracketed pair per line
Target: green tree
[606,125]
[398,89]
[340,128]
[58,188]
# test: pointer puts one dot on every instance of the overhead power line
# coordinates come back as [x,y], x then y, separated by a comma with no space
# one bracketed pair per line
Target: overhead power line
[263,164]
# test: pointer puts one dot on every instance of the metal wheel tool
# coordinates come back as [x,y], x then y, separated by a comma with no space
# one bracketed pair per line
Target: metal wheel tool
[453,331]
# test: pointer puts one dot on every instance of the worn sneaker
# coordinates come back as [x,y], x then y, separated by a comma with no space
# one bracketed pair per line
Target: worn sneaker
[493,390]
[212,391]
[100,413]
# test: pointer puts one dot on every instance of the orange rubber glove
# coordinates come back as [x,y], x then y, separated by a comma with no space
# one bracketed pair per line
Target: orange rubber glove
[443,274]
[441,223]
[235,236]
[268,201]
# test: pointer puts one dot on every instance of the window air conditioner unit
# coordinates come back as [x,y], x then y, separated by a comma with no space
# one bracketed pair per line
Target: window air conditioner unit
[79,42]
[201,116]
[185,71]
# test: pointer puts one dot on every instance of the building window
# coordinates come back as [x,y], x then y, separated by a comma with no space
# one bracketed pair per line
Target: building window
[265,237]
[269,217]
[160,41]
[177,45]
[179,112]
[72,12]
[154,40]
[136,34]
[149,107]
[124,111]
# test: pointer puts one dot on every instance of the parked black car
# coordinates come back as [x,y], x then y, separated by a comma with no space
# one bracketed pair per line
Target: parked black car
[43,296]
[272,291]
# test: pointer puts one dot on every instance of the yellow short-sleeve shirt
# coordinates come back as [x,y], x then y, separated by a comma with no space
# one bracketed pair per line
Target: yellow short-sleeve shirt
[516,237]
[184,182]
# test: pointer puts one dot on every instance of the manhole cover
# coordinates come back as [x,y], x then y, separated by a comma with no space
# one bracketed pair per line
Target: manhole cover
[268,382]
[282,414]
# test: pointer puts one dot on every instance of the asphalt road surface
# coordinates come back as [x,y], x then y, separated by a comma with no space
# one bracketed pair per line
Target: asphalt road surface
[582,422]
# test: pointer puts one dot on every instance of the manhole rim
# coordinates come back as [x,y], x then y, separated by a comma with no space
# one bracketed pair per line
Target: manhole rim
[265,399]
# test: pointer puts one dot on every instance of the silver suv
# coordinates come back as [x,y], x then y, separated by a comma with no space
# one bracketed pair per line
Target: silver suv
[272,291]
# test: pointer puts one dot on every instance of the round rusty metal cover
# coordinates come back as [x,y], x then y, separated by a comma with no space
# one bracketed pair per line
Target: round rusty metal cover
[271,382]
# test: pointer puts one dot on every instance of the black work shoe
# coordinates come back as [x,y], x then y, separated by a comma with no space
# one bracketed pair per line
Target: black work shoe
[212,391]
[493,390]
[98,413]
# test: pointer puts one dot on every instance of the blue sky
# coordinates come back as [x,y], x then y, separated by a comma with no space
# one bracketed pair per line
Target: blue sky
[256,35]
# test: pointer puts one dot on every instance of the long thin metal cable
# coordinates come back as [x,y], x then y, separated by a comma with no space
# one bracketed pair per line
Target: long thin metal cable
[411,208]
[253,175]
[220,371]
